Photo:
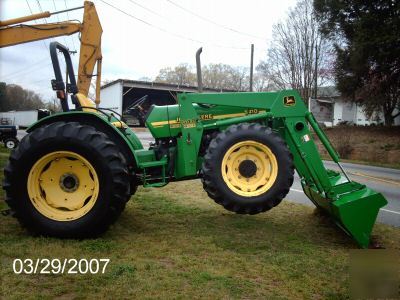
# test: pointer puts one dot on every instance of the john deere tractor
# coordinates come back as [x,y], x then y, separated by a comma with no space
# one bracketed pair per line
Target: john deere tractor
[73,173]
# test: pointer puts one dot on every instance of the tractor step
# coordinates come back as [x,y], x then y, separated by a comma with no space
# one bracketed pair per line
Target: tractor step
[146,160]
[153,164]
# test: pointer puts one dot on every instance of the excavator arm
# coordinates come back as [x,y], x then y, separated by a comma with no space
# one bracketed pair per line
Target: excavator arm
[13,32]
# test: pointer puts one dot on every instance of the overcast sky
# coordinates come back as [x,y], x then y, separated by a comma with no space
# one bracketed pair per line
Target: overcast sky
[133,49]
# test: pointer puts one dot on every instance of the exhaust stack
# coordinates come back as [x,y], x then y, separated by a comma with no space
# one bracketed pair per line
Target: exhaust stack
[198,69]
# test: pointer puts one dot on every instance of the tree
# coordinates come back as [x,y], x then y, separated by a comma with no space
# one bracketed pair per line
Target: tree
[298,54]
[222,76]
[54,105]
[367,47]
[3,97]
[181,75]
[217,76]
[14,97]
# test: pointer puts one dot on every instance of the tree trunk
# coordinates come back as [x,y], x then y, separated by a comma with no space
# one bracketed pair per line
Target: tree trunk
[389,119]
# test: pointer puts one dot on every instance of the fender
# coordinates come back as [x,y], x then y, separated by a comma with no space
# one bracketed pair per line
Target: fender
[125,139]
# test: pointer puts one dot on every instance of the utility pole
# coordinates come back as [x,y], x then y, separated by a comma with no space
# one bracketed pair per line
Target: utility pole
[251,67]
[316,72]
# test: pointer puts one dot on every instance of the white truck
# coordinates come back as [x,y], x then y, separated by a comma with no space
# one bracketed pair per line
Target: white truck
[23,119]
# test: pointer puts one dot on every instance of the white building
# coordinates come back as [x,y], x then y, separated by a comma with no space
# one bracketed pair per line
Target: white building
[331,109]
[353,113]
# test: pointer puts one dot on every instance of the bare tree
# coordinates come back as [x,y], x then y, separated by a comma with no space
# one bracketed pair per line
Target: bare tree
[298,53]
[217,76]
[222,76]
[181,75]
[263,82]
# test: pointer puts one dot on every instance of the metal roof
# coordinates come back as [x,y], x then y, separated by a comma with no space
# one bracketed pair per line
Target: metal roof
[161,86]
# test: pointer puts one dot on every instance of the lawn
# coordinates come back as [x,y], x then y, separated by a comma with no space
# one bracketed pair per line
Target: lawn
[176,243]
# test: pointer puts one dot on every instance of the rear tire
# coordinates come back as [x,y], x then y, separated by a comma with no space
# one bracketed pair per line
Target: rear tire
[95,184]
[247,169]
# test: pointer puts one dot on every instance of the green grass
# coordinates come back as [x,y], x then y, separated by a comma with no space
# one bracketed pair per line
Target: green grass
[176,243]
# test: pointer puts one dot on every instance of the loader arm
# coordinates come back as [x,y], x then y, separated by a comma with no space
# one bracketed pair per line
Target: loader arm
[13,32]
[352,205]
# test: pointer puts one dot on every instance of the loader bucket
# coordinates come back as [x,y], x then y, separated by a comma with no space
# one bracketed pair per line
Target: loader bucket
[354,208]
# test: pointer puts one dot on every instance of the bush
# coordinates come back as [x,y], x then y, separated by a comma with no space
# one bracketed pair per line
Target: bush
[344,145]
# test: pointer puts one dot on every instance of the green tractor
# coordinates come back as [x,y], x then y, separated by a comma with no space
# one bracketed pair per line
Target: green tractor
[74,172]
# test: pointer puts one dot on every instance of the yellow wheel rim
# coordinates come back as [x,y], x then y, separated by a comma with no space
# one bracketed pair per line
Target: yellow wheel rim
[249,168]
[63,186]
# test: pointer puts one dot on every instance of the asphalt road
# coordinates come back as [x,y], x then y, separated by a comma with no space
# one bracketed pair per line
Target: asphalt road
[383,180]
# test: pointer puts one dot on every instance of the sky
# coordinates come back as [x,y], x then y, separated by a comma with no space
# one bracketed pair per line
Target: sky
[164,36]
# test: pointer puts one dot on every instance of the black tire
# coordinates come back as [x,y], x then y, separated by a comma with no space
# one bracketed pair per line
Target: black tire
[217,188]
[98,150]
[11,143]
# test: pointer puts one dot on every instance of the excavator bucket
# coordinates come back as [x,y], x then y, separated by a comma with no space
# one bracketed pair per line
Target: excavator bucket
[354,206]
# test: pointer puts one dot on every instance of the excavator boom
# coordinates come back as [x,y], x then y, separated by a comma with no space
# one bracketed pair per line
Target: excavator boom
[13,32]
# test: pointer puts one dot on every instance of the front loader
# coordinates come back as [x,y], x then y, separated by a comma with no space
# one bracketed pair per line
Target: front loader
[72,175]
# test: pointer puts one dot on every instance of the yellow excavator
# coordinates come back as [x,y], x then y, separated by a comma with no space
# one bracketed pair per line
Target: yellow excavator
[14,32]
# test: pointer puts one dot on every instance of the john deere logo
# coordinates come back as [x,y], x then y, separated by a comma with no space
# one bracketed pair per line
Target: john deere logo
[289,101]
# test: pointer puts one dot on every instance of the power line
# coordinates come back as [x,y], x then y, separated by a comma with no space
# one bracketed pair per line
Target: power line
[30,9]
[170,32]
[213,22]
[40,7]
[148,9]
[37,81]
[58,19]
[72,38]
[25,71]
[149,24]
[161,16]
[41,10]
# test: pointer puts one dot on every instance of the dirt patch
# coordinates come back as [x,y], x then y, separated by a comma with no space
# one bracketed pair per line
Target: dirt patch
[377,145]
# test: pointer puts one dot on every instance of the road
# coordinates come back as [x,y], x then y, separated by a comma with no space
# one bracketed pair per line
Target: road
[382,180]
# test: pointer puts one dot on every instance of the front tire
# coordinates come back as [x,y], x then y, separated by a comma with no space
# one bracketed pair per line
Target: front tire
[247,169]
[66,180]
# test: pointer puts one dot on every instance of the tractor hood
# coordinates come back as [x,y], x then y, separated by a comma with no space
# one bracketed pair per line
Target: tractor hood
[163,121]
